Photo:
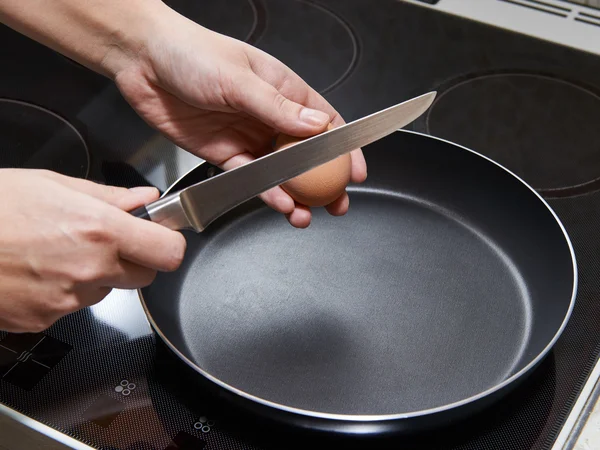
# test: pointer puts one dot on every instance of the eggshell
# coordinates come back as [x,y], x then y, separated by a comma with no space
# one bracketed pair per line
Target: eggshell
[319,186]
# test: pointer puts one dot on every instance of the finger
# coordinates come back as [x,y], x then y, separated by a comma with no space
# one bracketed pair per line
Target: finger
[300,217]
[358,172]
[136,197]
[278,199]
[127,275]
[93,296]
[263,101]
[122,198]
[294,88]
[275,198]
[340,206]
[148,244]
[87,296]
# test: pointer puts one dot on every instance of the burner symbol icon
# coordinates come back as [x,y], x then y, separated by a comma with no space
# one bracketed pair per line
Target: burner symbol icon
[125,387]
[24,356]
[204,424]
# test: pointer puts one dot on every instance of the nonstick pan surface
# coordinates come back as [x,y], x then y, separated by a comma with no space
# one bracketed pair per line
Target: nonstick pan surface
[448,280]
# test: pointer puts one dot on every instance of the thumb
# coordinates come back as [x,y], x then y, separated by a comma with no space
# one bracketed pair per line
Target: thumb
[263,101]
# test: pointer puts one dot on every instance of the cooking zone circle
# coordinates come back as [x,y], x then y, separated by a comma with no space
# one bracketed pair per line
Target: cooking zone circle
[302,35]
[299,33]
[35,138]
[234,18]
[542,128]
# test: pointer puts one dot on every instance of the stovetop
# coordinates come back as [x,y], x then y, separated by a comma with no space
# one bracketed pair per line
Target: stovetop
[101,375]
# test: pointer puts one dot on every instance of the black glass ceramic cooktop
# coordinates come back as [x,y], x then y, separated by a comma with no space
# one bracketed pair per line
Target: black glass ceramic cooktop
[102,376]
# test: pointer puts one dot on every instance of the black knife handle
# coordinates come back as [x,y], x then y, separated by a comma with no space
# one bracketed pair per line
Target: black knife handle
[141,213]
[166,211]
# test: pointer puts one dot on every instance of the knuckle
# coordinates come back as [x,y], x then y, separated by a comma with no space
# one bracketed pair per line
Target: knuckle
[67,304]
[284,83]
[39,324]
[232,89]
[94,229]
[35,327]
[280,102]
[46,173]
[228,84]
[58,303]
[115,192]
[87,272]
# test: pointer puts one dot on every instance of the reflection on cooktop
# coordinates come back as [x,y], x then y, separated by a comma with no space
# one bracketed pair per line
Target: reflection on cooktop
[543,128]
[185,441]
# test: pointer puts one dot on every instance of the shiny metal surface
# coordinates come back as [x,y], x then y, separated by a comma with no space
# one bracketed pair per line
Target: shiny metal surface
[592,3]
[580,429]
[169,212]
[570,23]
[19,432]
[206,201]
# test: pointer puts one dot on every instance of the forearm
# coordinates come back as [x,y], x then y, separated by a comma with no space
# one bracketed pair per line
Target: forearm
[104,35]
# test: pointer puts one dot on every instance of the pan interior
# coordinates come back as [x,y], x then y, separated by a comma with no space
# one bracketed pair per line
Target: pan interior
[395,307]
[447,276]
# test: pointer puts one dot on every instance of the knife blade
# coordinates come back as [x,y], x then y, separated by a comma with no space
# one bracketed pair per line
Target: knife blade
[196,206]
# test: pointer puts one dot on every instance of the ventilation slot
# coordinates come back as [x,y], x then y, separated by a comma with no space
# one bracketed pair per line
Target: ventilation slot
[541,6]
[590,19]
[589,3]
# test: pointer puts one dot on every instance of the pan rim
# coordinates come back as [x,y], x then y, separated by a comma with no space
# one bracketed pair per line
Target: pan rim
[413,414]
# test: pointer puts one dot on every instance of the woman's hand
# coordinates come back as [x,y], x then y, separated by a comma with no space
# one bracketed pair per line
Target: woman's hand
[212,95]
[65,243]
[224,101]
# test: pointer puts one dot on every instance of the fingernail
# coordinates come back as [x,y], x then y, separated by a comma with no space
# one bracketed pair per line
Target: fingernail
[313,117]
[143,190]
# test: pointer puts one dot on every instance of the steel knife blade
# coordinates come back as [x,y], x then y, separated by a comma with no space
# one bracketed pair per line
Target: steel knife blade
[196,206]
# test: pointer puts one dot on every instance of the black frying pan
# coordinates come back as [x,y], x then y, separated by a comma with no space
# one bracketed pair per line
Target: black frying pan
[446,283]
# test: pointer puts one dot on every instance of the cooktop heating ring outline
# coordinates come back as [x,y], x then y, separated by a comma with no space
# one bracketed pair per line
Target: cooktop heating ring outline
[84,162]
[482,96]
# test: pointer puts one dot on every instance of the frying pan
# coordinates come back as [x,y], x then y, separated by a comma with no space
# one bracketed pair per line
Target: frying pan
[443,287]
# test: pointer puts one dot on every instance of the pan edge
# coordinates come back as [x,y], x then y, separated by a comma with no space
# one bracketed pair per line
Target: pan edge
[414,414]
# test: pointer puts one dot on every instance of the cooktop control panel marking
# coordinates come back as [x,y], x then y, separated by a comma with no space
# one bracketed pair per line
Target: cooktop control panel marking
[26,358]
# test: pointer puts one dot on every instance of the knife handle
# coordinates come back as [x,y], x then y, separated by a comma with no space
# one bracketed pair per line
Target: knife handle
[167,211]
[141,213]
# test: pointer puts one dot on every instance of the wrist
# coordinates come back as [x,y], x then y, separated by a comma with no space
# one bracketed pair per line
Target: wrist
[128,42]
[103,35]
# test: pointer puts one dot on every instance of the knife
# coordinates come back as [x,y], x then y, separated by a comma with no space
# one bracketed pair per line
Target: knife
[196,206]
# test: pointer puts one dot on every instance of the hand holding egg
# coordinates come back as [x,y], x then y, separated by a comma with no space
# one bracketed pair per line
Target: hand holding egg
[322,185]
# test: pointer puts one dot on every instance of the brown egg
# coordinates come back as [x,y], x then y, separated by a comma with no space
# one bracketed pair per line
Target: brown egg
[319,186]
